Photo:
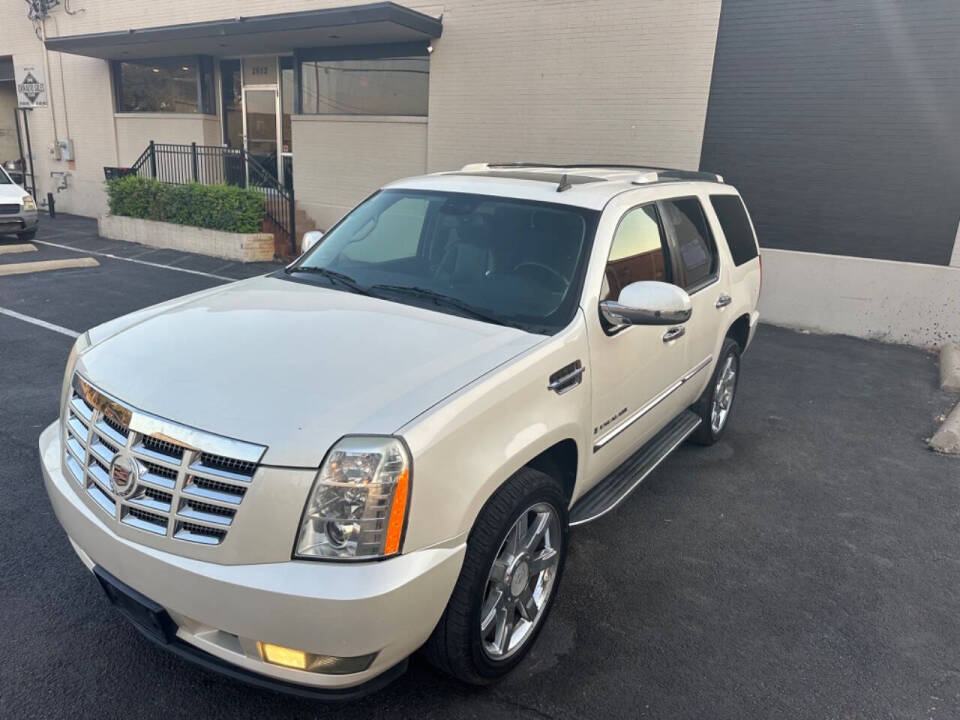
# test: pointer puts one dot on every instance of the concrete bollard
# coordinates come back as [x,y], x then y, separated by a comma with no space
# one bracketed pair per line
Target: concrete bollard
[950,367]
[947,438]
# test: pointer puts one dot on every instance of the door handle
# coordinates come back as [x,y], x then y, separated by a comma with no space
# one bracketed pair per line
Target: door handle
[723,301]
[673,333]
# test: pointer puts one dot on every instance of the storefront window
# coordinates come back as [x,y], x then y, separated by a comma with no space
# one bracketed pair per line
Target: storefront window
[232,89]
[286,101]
[365,81]
[176,84]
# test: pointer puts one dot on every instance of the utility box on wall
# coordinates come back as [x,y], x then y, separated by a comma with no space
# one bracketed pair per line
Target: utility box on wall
[65,149]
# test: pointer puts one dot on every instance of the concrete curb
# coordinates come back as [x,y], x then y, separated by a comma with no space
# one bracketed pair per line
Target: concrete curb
[44,265]
[950,368]
[947,438]
[26,247]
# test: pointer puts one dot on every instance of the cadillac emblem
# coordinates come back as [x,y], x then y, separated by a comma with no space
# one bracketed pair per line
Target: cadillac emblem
[124,474]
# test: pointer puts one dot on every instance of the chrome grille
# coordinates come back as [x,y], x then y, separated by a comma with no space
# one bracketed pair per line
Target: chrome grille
[186,488]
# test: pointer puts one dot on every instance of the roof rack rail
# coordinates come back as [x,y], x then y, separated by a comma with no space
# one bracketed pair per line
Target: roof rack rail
[664,175]
[651,173]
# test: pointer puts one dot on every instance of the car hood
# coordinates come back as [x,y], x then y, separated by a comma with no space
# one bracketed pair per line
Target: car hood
[11,193]
[292,365]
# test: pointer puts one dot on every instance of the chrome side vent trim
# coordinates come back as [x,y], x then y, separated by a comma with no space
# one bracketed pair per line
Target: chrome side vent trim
[206,512]
[566,378]
[192,532]
[143,520]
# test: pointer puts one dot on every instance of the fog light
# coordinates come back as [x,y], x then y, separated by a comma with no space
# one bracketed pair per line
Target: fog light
[300,660]
[279,655]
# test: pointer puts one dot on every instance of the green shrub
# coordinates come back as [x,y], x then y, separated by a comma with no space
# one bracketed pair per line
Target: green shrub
[218,207]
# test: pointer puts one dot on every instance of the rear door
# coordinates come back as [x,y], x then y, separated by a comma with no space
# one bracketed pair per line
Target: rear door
[698,269]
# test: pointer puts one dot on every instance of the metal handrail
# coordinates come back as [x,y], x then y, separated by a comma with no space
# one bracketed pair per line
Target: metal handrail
[216,165]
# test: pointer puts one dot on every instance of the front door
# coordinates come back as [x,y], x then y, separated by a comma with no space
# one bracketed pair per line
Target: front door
[261,130]
[635,369]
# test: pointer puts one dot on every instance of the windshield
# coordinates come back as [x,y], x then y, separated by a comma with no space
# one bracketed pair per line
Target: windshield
[502,260]
[4,178]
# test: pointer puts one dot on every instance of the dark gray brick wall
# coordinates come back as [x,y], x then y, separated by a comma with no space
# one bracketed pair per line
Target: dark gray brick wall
[839,121]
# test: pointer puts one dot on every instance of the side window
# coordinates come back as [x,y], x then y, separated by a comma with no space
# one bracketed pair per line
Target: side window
[696,251]
[736,227]
[395,236]
[637,252]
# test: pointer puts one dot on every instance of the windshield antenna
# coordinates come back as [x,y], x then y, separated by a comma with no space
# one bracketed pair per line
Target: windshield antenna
[564,183]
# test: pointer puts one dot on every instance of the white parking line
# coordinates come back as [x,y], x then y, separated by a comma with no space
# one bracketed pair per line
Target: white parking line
[139,262]
[38,322]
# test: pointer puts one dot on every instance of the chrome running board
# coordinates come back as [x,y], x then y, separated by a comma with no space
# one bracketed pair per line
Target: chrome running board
[611,491]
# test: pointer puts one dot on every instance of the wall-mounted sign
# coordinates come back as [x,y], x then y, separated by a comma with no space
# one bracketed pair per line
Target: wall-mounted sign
[260,70]
[31,86]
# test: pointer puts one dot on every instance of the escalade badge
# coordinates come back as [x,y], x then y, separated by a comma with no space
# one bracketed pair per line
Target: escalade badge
[124,474]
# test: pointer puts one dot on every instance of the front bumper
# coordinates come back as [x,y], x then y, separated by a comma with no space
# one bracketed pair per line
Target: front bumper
[22,221]
[343,610]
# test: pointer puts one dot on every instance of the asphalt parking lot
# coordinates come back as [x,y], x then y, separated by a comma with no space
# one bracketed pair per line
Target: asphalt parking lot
[806,567]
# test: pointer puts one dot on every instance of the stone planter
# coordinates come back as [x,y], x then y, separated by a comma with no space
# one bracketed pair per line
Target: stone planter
[244,247]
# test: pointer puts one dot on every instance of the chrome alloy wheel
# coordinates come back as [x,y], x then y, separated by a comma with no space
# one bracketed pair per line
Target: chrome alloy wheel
[520,581]
[723,394]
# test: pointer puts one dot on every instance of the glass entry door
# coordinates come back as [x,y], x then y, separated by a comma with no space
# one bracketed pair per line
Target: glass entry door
[261,128]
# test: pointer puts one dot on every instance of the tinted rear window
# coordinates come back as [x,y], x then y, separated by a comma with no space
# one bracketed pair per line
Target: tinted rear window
[697,252]
[736,226]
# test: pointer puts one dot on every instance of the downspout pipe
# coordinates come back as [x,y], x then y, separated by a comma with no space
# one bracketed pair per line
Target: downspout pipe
[49,79]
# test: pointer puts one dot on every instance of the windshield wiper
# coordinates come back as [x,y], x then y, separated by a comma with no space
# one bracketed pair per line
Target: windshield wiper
[332,275]
[441,299]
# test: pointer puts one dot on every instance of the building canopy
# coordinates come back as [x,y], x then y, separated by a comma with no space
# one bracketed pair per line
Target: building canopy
[375,23]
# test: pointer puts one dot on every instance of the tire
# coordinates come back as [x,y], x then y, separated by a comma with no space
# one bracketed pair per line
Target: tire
[458,646]
[27,236]
[709,432]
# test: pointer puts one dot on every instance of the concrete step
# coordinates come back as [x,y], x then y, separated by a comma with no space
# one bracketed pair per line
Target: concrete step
[305,223]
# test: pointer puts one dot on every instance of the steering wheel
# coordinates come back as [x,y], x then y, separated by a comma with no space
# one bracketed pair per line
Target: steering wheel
[546,271]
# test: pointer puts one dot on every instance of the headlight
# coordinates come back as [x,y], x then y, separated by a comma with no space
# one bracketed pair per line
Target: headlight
[28,203]
[81,344]
[358,504]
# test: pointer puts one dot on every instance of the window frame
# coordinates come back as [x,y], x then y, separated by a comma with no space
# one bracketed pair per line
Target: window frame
[679,270]
[667,250]
[592,218]
[746,213]
[235,64]
[203,63]
[353,52]
[668,259]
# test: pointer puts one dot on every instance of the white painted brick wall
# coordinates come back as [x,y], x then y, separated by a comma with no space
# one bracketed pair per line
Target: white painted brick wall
[343,161]
[135,131]
[8,131]
[571,80]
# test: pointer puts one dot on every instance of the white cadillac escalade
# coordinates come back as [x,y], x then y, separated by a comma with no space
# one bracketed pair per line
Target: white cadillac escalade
[302,478]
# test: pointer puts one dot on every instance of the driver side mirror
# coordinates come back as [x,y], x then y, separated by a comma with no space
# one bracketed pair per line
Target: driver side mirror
[310,239]
[648,303]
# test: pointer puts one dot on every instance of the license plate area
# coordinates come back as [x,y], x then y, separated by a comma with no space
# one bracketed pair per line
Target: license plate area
[144,613]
